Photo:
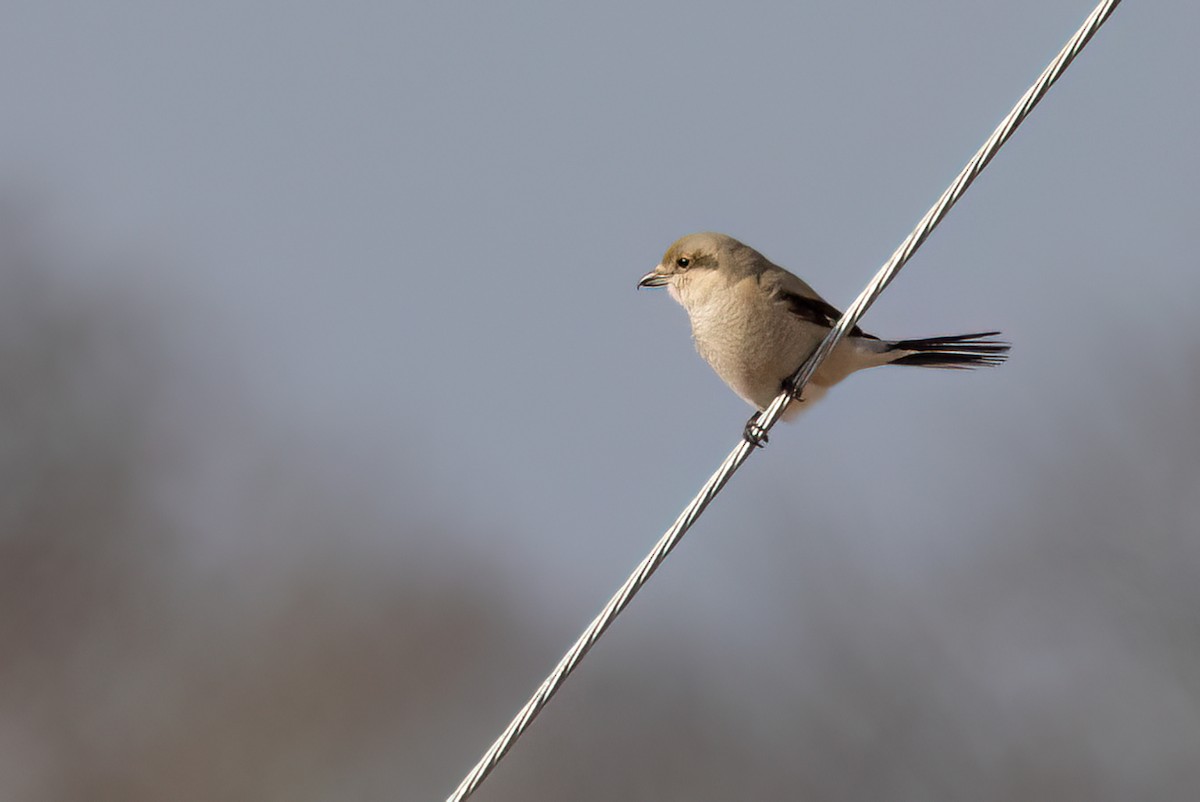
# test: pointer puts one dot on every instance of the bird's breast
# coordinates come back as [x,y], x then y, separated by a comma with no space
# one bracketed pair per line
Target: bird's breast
[747,339]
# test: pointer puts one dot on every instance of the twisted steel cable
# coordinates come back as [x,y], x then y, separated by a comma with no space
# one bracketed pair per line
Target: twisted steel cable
[770,416]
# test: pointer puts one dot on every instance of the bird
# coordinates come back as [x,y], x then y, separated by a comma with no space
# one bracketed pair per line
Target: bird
[755,323]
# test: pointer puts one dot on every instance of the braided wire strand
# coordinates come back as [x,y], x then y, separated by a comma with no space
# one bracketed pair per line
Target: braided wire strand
[771,415]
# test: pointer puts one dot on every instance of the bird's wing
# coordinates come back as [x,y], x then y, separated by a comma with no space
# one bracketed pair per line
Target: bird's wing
[803,301]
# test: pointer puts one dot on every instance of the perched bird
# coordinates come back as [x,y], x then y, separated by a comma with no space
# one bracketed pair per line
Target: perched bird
[755,323]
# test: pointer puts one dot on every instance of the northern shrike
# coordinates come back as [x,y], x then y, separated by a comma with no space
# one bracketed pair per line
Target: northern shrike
[755,323]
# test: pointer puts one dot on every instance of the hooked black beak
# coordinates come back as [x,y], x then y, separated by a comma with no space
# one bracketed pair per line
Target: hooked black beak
[653,279]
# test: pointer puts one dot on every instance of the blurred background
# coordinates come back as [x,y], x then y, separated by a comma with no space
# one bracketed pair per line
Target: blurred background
[329,415]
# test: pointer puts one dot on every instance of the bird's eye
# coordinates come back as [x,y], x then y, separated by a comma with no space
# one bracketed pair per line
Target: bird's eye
[683,262]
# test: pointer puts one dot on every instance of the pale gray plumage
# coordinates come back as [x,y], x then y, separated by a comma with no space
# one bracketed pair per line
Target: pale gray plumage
[755,323]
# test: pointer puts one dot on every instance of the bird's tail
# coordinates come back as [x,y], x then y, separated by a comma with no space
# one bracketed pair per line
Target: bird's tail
[961,352]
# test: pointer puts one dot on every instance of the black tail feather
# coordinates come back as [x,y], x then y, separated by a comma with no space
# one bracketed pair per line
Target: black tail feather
[959,352]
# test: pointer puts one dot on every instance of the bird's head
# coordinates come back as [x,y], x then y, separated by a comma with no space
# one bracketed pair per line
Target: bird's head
[700,258]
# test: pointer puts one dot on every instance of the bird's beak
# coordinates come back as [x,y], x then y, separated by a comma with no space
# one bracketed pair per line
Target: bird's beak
[654,278]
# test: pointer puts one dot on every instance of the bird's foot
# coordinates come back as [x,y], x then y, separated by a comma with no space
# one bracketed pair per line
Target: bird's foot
[754,434]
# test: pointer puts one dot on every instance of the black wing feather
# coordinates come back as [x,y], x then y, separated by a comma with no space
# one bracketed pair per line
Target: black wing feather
[817,311]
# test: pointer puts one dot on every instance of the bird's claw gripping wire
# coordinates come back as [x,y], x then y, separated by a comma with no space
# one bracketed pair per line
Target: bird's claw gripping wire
[754,434]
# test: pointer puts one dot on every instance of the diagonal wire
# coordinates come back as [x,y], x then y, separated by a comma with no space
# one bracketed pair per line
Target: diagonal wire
[768,417]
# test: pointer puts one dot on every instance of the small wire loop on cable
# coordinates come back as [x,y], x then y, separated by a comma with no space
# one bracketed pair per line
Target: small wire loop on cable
[771,414]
